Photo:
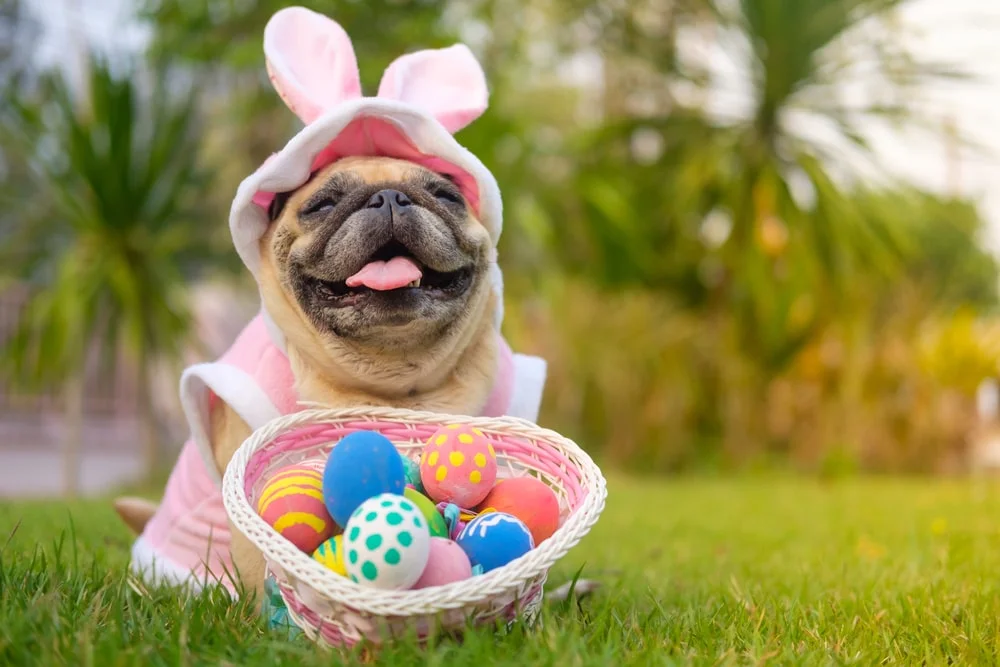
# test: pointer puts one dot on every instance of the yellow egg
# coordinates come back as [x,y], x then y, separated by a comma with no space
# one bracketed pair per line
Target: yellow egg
[331,555]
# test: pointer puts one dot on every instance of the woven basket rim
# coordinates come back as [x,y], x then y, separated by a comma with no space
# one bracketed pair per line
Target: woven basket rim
[377,602]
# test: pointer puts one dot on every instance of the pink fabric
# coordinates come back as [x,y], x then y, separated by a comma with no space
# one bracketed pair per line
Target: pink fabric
[190,529]
[255,354]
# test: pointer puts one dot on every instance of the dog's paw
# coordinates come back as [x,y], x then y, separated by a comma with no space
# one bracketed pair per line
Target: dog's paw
[135,512]
[582,588]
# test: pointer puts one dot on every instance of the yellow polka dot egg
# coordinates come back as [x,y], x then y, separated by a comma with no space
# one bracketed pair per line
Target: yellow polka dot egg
[458,465]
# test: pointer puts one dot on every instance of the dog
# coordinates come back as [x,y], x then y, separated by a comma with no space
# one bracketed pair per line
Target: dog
[376,272]
[372,237]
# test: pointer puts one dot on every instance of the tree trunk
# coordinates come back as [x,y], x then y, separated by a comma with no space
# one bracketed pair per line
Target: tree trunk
[73,424]
[147,419]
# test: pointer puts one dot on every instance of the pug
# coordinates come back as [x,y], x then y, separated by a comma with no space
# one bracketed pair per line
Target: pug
[372,237]
[376,273]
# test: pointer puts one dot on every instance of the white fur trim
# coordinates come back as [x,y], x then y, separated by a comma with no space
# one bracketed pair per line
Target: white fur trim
[154,568]
[273,330]
[496,278]
[529,382]
[236,388]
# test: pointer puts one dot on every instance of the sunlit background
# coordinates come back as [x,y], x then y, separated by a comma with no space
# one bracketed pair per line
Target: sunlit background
[745,235]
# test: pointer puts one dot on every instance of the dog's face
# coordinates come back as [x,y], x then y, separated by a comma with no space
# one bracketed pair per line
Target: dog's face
[379,252]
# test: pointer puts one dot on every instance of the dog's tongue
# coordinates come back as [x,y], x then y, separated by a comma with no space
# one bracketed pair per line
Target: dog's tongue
[397,272]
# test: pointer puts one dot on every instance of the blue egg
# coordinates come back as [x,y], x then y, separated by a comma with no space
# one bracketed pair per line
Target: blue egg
[361,466]
[494,539]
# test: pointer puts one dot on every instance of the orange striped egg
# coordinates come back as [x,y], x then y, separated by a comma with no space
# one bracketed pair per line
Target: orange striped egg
[458,465]
[292,504]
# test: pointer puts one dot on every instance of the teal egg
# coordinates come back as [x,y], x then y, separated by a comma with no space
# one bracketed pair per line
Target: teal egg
[411,470]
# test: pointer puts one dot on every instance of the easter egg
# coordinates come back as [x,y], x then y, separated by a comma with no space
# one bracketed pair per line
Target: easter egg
[331,554]
[292,503]
[494,539]
[447,563]
[387,543]
[530,500]
[361,466]
[458,465]
[411,472]
[435,522]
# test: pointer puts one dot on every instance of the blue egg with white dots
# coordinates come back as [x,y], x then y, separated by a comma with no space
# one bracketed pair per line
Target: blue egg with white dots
[493,539]
[387,543]
[361,466]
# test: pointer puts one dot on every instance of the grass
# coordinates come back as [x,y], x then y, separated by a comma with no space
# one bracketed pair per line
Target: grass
[696,571]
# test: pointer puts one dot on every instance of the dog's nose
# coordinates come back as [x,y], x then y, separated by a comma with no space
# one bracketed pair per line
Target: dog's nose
[388,199]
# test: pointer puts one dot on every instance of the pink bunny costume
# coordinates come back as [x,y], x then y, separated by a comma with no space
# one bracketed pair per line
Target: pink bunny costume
[423,99]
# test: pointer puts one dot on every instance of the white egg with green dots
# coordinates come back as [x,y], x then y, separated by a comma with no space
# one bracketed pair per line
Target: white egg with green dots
[386,543]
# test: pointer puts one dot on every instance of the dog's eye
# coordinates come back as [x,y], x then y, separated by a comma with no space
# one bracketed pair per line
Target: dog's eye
[447,195]
[322,206]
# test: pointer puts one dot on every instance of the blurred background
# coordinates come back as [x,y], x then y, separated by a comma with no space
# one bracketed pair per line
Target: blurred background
[746,234]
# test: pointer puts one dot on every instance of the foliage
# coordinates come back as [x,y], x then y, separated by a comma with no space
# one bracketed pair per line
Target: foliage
[650,386]
[748,214]
[947,261]
[111,233]
[694,572]
[709,274]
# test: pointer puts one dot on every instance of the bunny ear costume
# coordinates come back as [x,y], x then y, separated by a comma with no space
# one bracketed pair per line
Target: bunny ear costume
[422,100]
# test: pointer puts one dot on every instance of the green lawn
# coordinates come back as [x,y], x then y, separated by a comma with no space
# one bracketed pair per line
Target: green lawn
[697,572]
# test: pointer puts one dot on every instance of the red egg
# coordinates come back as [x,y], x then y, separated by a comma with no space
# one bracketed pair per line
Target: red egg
[458,465]
[530,500]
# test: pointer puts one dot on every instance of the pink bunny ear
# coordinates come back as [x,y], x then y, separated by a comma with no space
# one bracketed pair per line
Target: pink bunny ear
[311,62]
[448,83]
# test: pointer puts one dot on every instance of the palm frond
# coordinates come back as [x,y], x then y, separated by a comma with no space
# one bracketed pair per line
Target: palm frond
[106,237]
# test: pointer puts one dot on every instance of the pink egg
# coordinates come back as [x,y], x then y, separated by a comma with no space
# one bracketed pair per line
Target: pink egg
[458,465]
[446,564]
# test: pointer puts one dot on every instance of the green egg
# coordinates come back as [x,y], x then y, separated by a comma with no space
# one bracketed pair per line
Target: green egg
[435,522]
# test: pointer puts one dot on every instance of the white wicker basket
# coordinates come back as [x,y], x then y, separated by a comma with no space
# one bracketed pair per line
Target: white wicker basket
[333,610]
